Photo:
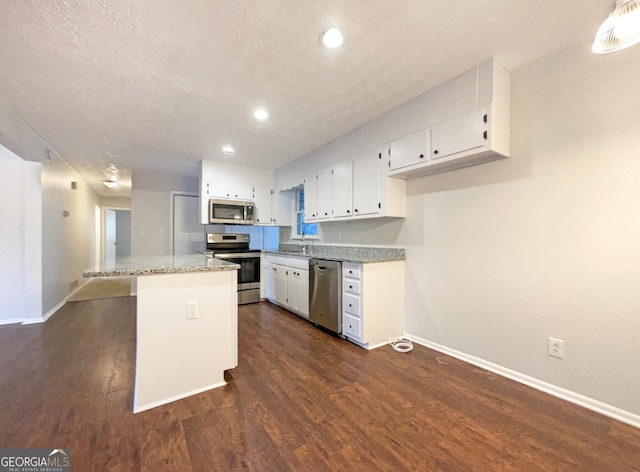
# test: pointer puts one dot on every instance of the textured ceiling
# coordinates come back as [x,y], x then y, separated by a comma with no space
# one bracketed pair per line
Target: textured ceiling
[161,84]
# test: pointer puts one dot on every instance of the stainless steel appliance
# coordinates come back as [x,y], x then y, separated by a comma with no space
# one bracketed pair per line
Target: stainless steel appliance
[231,212]
[325,294]
[235,248]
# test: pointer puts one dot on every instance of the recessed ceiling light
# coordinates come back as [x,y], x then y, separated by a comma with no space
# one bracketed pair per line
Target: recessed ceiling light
[332,38]
[261,114]
[228,149]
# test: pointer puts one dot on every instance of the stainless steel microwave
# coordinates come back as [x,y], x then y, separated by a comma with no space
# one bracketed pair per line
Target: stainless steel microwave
[231,212]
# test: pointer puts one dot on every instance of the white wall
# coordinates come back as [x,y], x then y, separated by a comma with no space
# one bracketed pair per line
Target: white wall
[502,255]
[20,240]
[68,231]
[151,210]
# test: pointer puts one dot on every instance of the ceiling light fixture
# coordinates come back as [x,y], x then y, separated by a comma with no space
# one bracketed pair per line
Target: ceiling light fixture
[261,114]
[620,30]
[228,149]
[332,38]
[110,184]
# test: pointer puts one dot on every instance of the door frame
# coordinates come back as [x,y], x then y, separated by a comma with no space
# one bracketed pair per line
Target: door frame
[103,228]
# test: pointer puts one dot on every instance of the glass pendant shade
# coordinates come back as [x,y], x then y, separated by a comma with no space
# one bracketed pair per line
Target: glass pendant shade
[621,29]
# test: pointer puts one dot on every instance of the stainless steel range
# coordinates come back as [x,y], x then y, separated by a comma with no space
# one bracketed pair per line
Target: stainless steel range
[235,248]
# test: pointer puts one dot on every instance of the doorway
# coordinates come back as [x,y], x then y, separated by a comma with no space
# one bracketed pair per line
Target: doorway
[117,234]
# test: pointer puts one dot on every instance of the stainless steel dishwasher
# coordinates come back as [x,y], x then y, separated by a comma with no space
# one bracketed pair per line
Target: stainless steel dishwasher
[325,294]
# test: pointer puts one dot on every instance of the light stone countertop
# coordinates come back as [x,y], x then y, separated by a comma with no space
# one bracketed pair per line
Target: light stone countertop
[364,255]
[143,265]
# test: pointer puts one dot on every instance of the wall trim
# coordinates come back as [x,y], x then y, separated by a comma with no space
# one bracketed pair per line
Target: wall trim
[11,321]
[559,392]
[51,312]
[165,401]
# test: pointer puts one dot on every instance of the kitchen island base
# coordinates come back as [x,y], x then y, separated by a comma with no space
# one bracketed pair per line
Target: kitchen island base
[187,335]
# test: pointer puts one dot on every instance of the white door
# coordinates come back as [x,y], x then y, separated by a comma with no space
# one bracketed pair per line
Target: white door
[188,233]
[109,236]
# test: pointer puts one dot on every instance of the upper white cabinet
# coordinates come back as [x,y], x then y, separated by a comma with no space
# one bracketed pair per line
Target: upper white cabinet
[341,189]
[325,188]
[479,134]
[311,197]
[409,150]
[219,180]
[459,134]
[354,188]
[227,189]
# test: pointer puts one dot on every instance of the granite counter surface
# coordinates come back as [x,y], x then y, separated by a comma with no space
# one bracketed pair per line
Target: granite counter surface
[364,255]
[142,265]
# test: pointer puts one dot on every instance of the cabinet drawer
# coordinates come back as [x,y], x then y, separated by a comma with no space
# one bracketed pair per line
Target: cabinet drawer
[351,305]
[298,262]
[351,286]
[277,259]
[351,270]
[351,327]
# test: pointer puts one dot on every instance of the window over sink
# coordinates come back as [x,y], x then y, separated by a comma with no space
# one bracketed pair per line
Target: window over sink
[310,229]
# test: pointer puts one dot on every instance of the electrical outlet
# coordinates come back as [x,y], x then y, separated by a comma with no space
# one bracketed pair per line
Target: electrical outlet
[555,348]
[192,310]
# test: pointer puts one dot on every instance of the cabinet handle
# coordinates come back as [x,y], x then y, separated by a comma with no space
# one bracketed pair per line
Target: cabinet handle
[348,211]
[435,152]
[325,213]
[350,286]
[350,305]
[356,210]
[421,156]
[350,271]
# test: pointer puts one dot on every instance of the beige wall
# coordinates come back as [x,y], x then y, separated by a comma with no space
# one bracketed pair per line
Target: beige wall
[20,240]
[151,210]
[68,242]
[503,255]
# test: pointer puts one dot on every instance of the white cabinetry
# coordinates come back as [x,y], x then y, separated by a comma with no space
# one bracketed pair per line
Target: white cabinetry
[464,138]
[357,187]
[409,150]
[287,283]
[324,193]
[459,134]
[372,302]
[311,197]
[232,190]
[228,181]
[342,188]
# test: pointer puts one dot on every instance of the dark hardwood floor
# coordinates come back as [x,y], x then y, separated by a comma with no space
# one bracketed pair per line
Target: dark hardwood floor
[299,400]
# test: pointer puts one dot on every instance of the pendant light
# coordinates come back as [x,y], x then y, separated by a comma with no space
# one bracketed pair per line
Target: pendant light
[621,29]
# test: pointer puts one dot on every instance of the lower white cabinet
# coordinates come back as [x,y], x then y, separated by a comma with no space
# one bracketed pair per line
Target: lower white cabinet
[287,282]
[372,302]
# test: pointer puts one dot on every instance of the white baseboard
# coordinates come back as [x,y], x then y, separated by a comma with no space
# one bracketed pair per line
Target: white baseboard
[11,321]
[573,397]
[177,397]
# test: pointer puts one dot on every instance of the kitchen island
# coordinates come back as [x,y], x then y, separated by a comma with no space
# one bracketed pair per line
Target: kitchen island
[186,324]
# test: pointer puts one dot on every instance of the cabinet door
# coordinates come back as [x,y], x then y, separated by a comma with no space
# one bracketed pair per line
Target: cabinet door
[366,182]
[324,193]
[281,284]
[270,276]
[341,188]
[234,190]
[409,150]
[302,288]
[458,134]
[264,205]
[311,197]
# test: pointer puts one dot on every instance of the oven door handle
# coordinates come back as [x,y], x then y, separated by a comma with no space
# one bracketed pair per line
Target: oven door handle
[237,256]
